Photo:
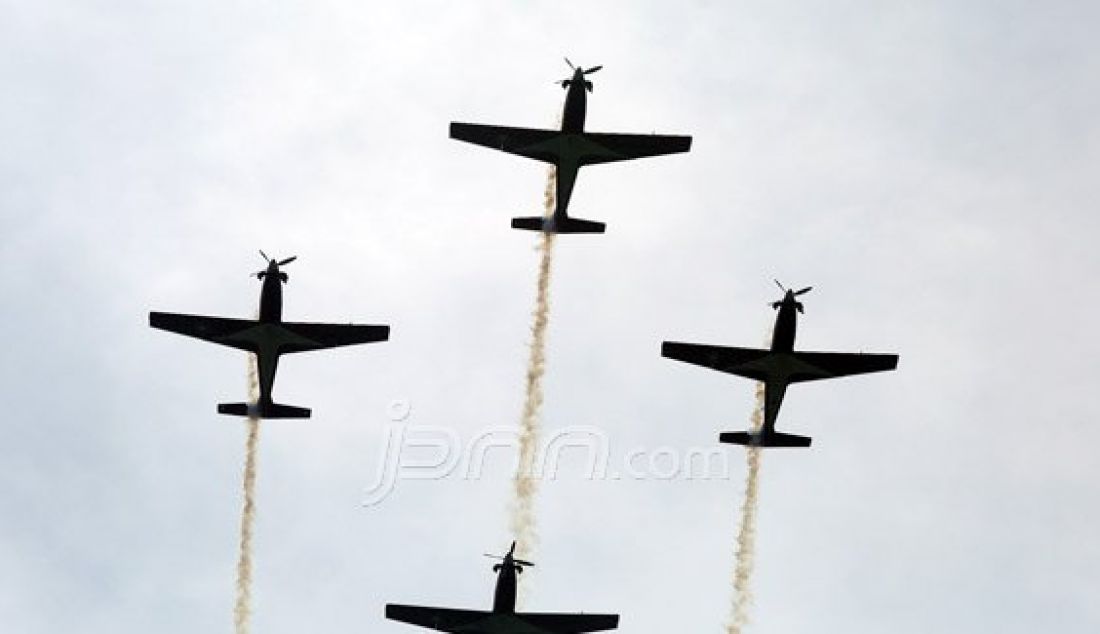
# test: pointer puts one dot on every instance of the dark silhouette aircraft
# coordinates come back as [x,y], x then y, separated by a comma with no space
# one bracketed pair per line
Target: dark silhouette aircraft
[268,338]
[569,148]
[503,619]
[777,368]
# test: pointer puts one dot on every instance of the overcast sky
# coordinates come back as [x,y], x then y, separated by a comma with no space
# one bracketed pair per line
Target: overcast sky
[930,168]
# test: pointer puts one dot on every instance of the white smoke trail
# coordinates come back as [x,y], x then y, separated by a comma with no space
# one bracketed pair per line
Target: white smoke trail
[746,533]
[522,511]
[242,611]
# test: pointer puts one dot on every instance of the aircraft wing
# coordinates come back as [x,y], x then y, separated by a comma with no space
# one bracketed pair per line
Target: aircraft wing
[320,336]
[737,361]
[570,623]
[442,619]
[528,142]
[623,147]
[830,365]
[213,329]
[478,622]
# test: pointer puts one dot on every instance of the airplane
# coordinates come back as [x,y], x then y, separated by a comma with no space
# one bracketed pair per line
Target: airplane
[569,148]
[268,338]
[777,368]
[503,618]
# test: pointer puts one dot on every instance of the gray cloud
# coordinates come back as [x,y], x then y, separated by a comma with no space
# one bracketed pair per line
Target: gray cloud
[928,168]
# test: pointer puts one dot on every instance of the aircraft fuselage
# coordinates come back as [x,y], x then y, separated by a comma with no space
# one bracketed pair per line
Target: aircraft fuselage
[775,387]
[785,325]
[576,101]
[504,596]
[271,296]
[268,334]
[572,127]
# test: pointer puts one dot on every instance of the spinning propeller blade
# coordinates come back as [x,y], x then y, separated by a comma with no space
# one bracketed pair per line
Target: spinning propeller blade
[283,262]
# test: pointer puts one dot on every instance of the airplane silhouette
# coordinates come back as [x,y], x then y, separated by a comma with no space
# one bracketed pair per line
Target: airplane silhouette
[503,618]
[268,338]
[569,148]
[777,368]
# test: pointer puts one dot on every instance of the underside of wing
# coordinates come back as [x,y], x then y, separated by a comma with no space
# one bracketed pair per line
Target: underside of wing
[442,619]
[218,330]
[830,365]
[737,361]
[528,142]
[320,336]
[570,623]
[623,147]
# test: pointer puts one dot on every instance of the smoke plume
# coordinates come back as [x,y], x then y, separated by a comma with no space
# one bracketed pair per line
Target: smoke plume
[522,509]
[746,533]
[242,611]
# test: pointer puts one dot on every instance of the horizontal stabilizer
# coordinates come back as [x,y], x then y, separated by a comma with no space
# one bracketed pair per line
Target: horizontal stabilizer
[758,439]
[271,410]
[567,225]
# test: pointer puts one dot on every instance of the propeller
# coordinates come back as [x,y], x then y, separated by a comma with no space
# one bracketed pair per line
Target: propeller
[796,293]
[519,563]
[565,83]
[586,71]
[797,305]
[283,262]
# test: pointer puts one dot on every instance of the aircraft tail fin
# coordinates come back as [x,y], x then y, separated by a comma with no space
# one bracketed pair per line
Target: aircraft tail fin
[259,410]
[566,225]
[759,439]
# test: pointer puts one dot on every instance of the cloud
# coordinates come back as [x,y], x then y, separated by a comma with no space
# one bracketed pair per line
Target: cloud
[929,169]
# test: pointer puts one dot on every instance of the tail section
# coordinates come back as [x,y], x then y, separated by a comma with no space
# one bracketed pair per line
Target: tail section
[764,439]
[262,410]
[552,225]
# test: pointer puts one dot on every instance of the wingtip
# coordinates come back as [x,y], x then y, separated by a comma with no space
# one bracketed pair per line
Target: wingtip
[668,348]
